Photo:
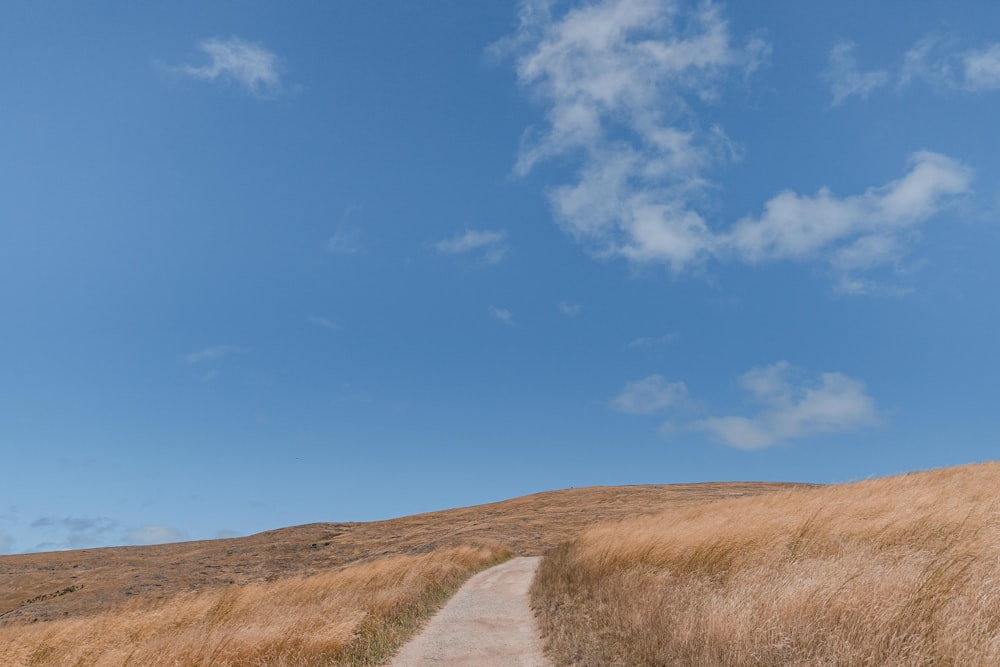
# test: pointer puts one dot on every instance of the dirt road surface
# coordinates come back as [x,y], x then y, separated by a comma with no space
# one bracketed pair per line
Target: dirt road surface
[487,623]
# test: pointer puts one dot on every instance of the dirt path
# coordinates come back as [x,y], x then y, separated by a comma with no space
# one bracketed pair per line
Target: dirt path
[486,624]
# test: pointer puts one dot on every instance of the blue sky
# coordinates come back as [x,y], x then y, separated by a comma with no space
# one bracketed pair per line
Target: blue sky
[263,265]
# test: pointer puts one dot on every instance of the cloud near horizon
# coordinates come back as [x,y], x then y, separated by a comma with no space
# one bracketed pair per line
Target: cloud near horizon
[790,407]
[831,403]
[250,65]
[621,82]
[74,532]
[155,534]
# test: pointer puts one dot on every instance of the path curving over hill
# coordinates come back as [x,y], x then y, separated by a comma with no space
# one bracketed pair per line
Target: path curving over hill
[487,623]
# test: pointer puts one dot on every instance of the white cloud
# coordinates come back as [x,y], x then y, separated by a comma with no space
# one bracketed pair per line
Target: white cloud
[491,246]
[502,315]
[621,81]
[157,534]
[982,68]
[831,403]
[946,67]
[863,230]
[650,341]
[846,79]
[213,353]
[648,395]
[570,309]
[250,65]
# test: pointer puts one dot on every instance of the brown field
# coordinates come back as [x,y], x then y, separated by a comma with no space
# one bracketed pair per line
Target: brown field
[333,593]
[896,571]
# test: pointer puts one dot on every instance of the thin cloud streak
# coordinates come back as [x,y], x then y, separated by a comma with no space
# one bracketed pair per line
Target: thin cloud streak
[491,246]
[214,353]
[324,322]
[651,341]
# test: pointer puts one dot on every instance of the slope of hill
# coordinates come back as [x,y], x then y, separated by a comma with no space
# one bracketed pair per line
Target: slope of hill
[393,571]
[895,571]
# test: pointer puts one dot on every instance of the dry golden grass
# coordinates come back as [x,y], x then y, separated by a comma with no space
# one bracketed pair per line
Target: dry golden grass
[291,596]
[357,615]
[101,579]
[896,571]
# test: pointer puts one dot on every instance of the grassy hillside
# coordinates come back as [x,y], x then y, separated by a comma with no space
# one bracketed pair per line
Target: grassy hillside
[357,615]
[896,571]
[344,592]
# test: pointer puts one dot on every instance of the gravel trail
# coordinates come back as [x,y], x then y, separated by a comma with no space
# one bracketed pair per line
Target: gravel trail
[487,623]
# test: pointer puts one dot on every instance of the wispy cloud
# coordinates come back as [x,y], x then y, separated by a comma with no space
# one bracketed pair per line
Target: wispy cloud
[792,409]
[846,79]
[621,82]
[6,543]
[570,309]
[213,353]
[344,241]
[247,64]
[651,394]
[154,534]
[947,67]
[325,322]
[502,315]
[942,63]
[75,532]
[652,341]
[489,245]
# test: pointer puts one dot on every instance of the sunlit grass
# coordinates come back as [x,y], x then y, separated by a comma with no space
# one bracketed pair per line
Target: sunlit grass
[895,571]
[358,615]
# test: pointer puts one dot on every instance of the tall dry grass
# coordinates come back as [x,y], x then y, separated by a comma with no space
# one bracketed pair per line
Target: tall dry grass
[896,571]
[358,615]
